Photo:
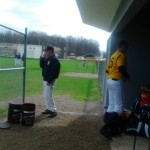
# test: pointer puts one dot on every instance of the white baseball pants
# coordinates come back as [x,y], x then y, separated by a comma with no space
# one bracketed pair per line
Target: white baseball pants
[48,96]
[115,92]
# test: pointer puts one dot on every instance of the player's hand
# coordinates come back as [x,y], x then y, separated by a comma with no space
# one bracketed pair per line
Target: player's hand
[43,54]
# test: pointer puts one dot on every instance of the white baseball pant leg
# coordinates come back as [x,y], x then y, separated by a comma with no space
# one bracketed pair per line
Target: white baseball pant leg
[48,96]
[115,91]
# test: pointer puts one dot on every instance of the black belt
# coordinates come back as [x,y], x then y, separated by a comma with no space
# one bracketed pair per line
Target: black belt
[114,79]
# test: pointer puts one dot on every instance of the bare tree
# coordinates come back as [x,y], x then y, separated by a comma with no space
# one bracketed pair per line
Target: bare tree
[77,45]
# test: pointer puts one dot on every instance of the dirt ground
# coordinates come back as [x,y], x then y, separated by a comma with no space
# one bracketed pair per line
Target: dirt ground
[75,128]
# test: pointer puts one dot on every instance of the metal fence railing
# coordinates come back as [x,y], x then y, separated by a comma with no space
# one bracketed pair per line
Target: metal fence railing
[101,74]
[12,68]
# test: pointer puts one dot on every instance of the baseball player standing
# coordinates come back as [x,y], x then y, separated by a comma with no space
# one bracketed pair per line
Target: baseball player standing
[117,73]
[50,71]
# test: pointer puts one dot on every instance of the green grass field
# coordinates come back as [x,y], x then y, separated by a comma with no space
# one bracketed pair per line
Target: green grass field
[77,87]
[7,62]
[77,66]
[10,81]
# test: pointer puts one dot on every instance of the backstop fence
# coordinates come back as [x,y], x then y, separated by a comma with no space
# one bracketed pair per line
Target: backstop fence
[12,67]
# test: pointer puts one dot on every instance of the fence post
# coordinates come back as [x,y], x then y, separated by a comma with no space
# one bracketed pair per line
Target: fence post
[24,71]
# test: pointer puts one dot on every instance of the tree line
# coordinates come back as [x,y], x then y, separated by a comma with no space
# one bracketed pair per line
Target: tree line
[77,45]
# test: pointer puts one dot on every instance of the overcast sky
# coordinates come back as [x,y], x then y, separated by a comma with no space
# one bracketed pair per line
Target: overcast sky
[59,17]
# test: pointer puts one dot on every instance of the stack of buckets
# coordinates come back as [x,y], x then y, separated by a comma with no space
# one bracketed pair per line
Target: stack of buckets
[23,113]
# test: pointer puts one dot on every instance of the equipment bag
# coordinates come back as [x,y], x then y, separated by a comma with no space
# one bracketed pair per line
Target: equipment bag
[145,96]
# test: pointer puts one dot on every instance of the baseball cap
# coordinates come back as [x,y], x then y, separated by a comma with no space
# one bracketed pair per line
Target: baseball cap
[49,48]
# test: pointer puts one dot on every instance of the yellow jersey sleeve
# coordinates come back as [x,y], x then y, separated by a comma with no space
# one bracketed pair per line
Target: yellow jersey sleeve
[109,66]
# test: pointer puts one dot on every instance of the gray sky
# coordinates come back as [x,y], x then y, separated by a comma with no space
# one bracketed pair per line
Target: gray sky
[59,17]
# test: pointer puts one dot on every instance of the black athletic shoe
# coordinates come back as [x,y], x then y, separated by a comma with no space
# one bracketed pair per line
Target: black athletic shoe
[52,115]
[46,112]
[114,133]
[106,134]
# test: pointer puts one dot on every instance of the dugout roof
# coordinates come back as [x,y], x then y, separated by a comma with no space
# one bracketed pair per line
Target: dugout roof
[109,15]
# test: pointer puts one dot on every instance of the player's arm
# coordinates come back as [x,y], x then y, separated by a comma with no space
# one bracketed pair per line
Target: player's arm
[55,69]
[41,62]
[42,59]
[109,66]
[107,69]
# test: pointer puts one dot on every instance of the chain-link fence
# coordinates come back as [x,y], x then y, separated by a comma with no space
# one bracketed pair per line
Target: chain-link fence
[12,67]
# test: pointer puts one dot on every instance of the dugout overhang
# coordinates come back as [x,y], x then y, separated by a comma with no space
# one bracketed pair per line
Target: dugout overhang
[109,14]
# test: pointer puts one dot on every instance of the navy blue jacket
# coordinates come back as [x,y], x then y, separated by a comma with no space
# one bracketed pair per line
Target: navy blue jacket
[50,68]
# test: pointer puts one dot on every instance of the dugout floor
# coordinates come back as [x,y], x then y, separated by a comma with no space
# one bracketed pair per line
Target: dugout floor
[75,128]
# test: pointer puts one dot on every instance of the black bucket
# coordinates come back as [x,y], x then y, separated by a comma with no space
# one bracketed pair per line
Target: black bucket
[14,112]
[28,114]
